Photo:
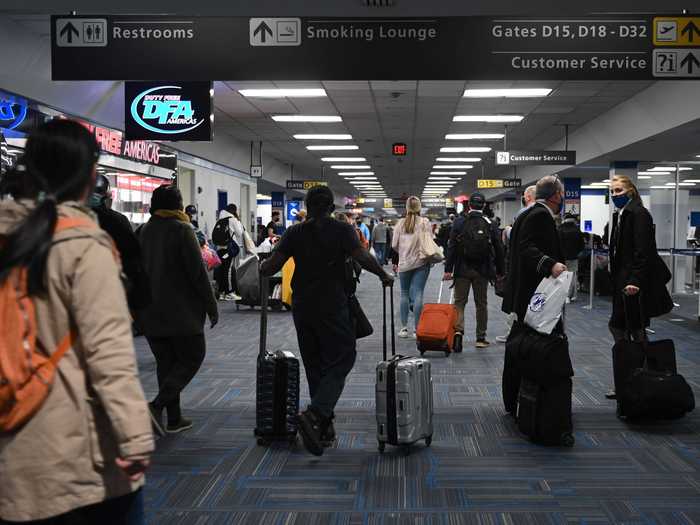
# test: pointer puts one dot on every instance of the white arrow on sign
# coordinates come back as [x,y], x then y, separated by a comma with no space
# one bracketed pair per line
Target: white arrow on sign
[81,32]
[275,31]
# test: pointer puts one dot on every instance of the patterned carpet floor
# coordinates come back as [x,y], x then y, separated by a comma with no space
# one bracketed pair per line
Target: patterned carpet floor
[479,469]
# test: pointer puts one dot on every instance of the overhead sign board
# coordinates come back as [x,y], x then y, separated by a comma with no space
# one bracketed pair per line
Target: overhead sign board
[304,184]
[168,111]
[487,184]
[535,158]
[388,203]
[124,47]
[256,171]
[293,208]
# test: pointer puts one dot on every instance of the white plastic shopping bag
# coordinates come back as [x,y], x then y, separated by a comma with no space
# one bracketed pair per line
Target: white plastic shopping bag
[547,303]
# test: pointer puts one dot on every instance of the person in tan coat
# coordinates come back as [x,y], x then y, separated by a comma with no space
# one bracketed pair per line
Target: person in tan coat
[81,457]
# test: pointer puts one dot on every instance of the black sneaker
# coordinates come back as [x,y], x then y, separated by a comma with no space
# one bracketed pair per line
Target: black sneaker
[156,419]
[457,344]
[180,426]
[328,437]
[312,428]
[611,395]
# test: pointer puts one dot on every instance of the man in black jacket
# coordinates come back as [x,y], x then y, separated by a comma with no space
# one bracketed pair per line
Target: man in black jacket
[535,250]
[473,250]
[572,243]
[119,228]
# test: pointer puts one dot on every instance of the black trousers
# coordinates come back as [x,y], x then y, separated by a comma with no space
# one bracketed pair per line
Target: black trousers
[224,275]
[327,346]
[177,361]
[124,510]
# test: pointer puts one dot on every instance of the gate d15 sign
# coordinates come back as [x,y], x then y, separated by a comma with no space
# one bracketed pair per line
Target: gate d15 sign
[620,47]
[168,110]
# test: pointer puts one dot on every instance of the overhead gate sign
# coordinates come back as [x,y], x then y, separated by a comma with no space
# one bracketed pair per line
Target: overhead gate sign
[616,47]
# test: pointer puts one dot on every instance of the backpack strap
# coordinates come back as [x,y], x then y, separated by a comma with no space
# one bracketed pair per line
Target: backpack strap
[63,347]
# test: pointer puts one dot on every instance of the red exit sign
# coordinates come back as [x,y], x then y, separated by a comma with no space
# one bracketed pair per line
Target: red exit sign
[399,149]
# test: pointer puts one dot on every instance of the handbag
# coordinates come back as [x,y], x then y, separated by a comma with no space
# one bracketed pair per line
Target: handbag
[428,250]
[363,327]
[499,285]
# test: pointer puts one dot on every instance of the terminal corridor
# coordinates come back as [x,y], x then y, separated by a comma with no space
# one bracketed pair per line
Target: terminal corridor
[479,469]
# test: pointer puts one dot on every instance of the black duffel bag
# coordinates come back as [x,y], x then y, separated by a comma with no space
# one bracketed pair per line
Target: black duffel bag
[542,358]
[651,394]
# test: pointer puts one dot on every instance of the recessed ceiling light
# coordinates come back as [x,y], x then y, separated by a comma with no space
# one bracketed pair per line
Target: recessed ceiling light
[306,118]
[507,93]
[653,173]
[444,178]
[330,147]
[360,178]
[366,182]
[283,93]
[448,172]
[458,159]
[350,167]
[324,136]
[474,136]
[452,167]
[343,159]
[661,187]
[488,118]
[691,180]
[669,168]
[354,173]
[465,149]
[684,183]
[643,177]
[591,187]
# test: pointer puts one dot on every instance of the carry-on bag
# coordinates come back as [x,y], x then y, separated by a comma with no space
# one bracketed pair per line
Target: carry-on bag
[436,327]
[277,387]
[544,413]
[647,382]
[404,395]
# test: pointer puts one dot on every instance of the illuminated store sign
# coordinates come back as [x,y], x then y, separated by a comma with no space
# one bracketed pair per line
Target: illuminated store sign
[168,110]
[13,111]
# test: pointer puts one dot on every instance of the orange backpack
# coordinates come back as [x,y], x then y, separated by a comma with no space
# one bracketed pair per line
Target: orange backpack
[26,370]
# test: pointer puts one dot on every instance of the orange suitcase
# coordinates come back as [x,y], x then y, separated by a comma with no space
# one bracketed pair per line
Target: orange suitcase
[436,327]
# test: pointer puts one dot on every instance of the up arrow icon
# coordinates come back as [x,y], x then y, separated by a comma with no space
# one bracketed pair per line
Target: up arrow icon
[263,29]
[68,31]
[690,30]
[689,61]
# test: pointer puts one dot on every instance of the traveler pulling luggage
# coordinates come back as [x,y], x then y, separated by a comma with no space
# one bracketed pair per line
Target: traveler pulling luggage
[277,387]
[647,383]
[436,327]
[404,395]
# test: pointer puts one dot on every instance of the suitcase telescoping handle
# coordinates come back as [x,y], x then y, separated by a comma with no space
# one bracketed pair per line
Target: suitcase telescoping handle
[393,335]
[452,293]
[638,297]
[264,286]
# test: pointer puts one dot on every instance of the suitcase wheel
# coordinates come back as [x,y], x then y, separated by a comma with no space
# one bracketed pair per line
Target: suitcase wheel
[567,440]
[381,446]
[238,307]
[428,441]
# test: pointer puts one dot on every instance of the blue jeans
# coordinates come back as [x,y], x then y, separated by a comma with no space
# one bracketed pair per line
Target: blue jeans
[412,286]
[380,251]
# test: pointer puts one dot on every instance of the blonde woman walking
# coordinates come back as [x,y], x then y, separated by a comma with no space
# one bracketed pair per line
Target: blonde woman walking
[413,270]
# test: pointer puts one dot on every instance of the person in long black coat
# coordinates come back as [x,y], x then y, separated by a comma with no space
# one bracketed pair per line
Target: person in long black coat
[535,250]
[639,275]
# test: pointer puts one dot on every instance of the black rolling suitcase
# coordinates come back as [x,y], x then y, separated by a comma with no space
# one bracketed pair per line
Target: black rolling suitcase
[544,412]
[277,387]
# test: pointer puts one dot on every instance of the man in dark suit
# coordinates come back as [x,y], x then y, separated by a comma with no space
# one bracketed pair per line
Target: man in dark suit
[535,250]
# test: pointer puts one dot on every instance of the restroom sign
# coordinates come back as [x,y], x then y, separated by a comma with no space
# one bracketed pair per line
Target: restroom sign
[81,32]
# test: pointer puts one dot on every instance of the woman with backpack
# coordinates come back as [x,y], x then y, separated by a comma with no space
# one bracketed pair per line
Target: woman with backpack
[413,270]
[74,451]
[228,235]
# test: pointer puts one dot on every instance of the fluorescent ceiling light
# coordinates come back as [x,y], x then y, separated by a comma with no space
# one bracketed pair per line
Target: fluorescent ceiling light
[605,180]
[448,172]
[283,93]
[330,147]
[685,183]
[474,136]
[643,177]
[507,93]
[324,136]
[591,187]
[364,182]
[653,173]
[600,184]
[661,187]
[452,167]
[458,159]
[688,180]
[444,178]
[669,168]
[344,159]
[354,173]
[465,149]
[360,178]
[350,167]
[487,118]
[306,118]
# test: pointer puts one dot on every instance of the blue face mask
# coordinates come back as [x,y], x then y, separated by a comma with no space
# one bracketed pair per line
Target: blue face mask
[620,200]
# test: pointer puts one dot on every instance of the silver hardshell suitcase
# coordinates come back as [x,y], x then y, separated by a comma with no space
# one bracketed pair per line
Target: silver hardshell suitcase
[404,396]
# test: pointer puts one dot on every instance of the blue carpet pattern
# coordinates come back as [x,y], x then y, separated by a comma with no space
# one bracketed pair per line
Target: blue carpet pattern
[479,469]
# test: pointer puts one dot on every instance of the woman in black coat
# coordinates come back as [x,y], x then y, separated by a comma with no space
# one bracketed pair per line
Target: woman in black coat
[639,275]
